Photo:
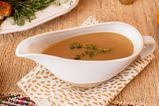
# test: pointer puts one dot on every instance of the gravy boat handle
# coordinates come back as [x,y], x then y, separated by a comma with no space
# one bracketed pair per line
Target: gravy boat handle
[149,46]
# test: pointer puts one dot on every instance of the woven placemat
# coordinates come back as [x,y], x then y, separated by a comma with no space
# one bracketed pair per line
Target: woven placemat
[46,89]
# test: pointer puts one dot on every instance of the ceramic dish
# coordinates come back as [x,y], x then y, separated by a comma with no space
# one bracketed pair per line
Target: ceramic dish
[79,72]
[43,16]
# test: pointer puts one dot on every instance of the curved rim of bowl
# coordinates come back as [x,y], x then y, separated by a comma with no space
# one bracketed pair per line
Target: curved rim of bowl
[65,59]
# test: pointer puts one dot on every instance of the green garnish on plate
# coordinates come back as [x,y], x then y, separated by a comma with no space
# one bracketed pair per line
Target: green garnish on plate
[25,9]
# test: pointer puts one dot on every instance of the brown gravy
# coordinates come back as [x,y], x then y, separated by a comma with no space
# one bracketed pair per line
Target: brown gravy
[117,45]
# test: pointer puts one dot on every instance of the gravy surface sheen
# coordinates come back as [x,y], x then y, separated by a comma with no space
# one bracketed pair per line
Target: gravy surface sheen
[120,46]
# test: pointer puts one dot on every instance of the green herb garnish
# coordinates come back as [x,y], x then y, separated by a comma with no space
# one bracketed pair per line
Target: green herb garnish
[25,9]
[91,50]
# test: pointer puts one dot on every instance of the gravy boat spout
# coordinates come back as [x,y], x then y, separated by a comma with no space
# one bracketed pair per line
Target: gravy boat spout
[79,72]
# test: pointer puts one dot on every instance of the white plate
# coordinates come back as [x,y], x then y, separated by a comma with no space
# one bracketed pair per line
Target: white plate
[42,16]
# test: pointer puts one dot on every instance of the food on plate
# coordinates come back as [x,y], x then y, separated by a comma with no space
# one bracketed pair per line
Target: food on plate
[24,10]
[5,10]
[93,46]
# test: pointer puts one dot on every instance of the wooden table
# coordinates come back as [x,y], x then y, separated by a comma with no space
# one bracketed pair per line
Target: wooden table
[144,89]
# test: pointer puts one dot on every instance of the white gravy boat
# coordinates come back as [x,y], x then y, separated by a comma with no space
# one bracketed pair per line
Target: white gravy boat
[79,72]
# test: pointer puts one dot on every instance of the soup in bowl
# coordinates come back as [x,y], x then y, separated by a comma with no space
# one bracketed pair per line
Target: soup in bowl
[87,56]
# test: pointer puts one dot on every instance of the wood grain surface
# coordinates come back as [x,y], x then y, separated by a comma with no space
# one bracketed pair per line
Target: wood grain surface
[143,90]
